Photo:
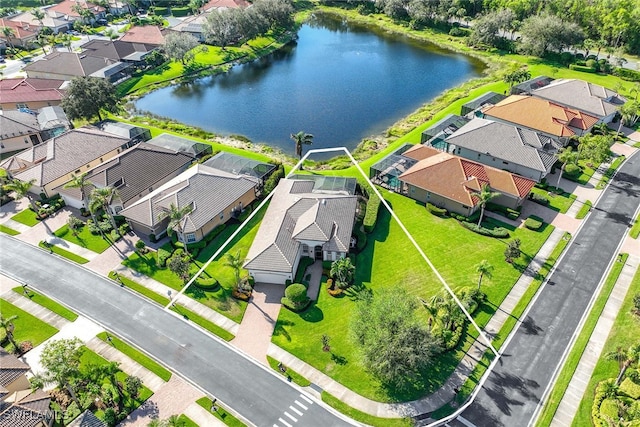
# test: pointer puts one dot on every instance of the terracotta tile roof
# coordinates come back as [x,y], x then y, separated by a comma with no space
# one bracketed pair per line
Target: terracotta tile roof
[66,8]
[225,4]
[542,115]
[23,90]
[148,34]
[458,179]
[21,30]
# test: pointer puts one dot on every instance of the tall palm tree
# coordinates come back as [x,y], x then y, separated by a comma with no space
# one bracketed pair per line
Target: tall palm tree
[8,326]
[566,156]
[176,217]
[39,15]
[343,271]
[235,262]
[484,196]
[101,198]
[301,138]
[80,181]
[21,188]
[484,269]
[625,359]
[9,34]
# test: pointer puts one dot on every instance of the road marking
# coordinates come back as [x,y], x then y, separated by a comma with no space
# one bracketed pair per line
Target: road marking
[284,422]
[306,398]
[465,421]
[296,410]
[295,420]
[301,405]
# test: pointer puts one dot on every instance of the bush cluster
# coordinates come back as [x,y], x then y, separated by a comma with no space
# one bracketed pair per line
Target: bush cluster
[539,199]
[441,212]
[295,297]
[273,180]
[371,216]
[102,226]
[179,12]
[572,171]
[207,284]
[627,74]
[164,253]
[533,222]
[498,232]
[504,211]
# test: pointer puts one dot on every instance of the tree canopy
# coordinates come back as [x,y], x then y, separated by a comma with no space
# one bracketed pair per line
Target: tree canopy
[180,46]
[86,96]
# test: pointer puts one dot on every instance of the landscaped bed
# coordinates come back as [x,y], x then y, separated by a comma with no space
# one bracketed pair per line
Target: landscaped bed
[560,202]
[28,328]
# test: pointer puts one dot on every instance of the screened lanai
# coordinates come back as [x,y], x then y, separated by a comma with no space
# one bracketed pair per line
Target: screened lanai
[239,165]
[387,171]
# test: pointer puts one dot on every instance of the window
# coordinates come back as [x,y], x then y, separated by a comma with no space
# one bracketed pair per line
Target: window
[221,215]
[119,183]
[505,163]
[478,155]
[305,249]
[190,237]
[19,106]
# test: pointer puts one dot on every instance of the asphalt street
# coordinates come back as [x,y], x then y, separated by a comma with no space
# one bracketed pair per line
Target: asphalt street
[514,389]
[262,397]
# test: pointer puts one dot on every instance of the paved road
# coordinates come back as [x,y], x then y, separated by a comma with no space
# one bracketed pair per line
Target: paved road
[514,389]
[259,395]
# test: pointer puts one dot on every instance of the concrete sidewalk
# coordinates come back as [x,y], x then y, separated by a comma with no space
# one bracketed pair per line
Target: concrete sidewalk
[577,386]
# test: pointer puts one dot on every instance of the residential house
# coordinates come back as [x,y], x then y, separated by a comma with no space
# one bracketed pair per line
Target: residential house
[56,24]
[150,35]
[67,65]
[552,119]
[22,33]
[215,197]
[444,127]
[125,130]
[30,93]
[134,173]
[68,9]
[87,419]
[53,162]
[18,130]
[193,25]
[587,97]
[305,218]
[183,145]
[117,50]
[224,4]
[504,146]
[452,182]
[19,404]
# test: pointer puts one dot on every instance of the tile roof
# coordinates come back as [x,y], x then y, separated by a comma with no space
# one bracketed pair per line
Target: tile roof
[588,97]
[24,90]
[15,123]
[87,419]
[47,21]
[147,34]
[210,190]
[66,8]
[115,50]
[69,63]
[225,4]
[11,368]
[32,410]
[506,142]
[293,216]
[542,115]
[458,179]
[61,155]
[139,168]
[21,30]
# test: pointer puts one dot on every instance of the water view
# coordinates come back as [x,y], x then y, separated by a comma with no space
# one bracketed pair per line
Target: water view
[339,82]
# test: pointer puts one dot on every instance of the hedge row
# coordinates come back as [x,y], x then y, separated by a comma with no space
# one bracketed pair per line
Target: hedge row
[533,222]
[627,74]
[582,68]
[503,210]
[539,199]
[180,11]
[498,232]
[370,218]
[441,212]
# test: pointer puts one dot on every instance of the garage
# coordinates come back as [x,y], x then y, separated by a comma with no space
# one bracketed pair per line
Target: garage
[270,277]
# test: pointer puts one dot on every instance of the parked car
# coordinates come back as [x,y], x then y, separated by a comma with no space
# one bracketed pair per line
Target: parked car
[102,21]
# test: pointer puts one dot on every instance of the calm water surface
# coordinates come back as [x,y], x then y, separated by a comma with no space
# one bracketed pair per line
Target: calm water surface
[339,82]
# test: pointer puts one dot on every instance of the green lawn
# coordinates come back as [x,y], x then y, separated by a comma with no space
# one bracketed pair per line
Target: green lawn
[387,261]
[84,238]
[47,302]
[186,421]
[606,177]
[624,333]
[570,365]
[635,229]
[137,355]
[64,253]
[557,202]
[160,299]
[204,323]
[26,217]
[290,373]
[27,327]
[367,419]
[584,210]
[221,413]
[10,231]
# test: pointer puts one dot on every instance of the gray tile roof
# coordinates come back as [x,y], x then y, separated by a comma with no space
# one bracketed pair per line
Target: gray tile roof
[87,419]
[588,97]
[69,63]
[138,168]
[63,154]
[293,216]
[506,142]
[115,50]
[210,190]
[14,123]
[10,368]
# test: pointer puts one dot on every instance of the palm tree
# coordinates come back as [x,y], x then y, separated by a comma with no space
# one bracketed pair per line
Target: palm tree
[485,269]
[176,217]
[433,308]
[8,33]
[8,326]
[342,270]
[235,262]
[21,188]
[484,196]
[174,421]
[80,181]
[101,198]
[39,15]
[625,359]
[566,157]
[301,138]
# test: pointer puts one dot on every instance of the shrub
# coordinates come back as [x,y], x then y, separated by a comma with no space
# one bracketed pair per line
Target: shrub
[498,232]
[141,246]
[581,68]
[152,237]
[124,228]
[114,235]
[572,170]
[458,32]
[208,284]
[163,256]
[295,297]
[180,11]
[609,409]
[533,222]
[537,198]
[591,63]
[214,233]
[273,179]
[371,216]
[93,228]
[442,212]
[627,74]
[630,388]
[160,11]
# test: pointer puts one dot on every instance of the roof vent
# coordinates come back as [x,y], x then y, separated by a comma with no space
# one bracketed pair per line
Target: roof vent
[324,201]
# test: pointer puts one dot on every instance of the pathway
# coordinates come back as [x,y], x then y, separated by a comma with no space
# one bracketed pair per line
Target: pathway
[581,377]
[42,313]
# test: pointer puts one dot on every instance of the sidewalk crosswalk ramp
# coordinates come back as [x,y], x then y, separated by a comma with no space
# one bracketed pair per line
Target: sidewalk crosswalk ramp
[294,412]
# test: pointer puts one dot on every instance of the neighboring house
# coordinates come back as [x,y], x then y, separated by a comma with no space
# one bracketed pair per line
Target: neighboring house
[224,4]
[527,86]
[521,151]
[482,101]
[303,219]
[18,130]
[192,25]
[87,419]
[68,9]
[441,129]
[23,34]
[587,97]
[147,34]
[53,121]
[67,65]
[238,165]
[125,130]
[543,116]
[20,406]
[451,182]
[134,173]
[117,50]
[57,25]
[215,197]
[53,162]
[30,93]
[183,145]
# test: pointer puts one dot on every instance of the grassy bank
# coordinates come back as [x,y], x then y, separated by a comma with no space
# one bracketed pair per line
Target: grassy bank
[47,303]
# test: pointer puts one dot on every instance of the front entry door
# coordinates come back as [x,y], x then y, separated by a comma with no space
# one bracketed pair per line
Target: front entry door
[318,253]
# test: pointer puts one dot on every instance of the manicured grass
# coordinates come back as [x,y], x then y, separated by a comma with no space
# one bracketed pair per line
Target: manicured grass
[64,253]
[26,217]
[206,324]
[571,363]
[10,231]
[635,229]
[557,202]
[186,421]
[221,413]
[624,332]
[27,327]
[162,300]
[606,177]
[47,302]
[584,210]
[290,373]
[362,417]
[378,268]
[83,238]
[136,355]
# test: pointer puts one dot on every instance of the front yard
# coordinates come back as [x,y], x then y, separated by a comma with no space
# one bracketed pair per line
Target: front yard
[84,238]
[28,328]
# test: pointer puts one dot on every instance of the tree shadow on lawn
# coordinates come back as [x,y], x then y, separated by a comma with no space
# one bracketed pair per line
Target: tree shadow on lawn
[313,314]
[281,330]
[364,260]
[142,264]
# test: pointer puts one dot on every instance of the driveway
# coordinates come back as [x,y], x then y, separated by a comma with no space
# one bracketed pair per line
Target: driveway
[513,391]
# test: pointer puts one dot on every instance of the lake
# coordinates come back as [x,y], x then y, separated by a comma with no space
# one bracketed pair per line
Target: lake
[338,81]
